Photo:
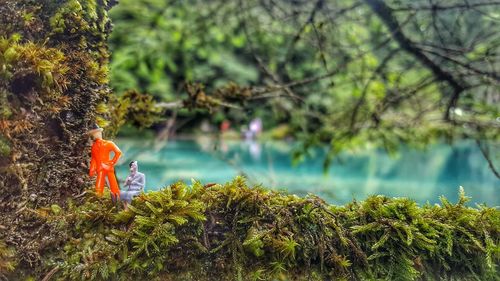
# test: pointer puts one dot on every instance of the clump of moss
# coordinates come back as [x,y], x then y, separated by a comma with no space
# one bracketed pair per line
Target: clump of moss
[74,15]
[404,241]
[225,96]
[4,147]
[7,261]
[134,108]
[237,232]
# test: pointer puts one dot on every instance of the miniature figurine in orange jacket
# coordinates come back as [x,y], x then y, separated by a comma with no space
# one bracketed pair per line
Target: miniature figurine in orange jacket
[101,165]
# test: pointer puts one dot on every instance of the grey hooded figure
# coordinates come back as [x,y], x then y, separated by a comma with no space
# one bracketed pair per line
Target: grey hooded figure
[134,184]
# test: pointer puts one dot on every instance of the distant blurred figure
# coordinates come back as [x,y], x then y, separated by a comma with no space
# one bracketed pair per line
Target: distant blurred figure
[206,127]
[135,183]
[255,149]
[225,126]
[245,133]
[256,127]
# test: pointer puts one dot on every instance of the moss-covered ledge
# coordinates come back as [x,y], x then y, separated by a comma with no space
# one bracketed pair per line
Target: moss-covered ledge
[237,232]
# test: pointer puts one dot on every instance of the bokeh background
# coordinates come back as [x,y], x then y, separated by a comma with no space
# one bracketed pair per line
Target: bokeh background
[342,99]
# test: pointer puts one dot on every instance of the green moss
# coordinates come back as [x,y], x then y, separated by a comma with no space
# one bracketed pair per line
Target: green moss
[5,111]
[70,16]
[7,259]
[134,108]
[53,73]
[4,147]
[76,16]
[237,232]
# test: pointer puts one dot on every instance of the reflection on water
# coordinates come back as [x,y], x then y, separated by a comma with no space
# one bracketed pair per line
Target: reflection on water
[421,175]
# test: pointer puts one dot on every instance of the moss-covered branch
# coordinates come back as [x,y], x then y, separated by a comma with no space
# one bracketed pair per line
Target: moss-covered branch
[237,232]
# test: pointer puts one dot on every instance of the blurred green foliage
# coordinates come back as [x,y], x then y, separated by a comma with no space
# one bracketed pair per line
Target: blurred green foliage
[157,45]
[332,71]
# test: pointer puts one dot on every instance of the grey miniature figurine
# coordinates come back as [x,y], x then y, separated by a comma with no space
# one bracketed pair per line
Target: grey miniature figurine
[135,183]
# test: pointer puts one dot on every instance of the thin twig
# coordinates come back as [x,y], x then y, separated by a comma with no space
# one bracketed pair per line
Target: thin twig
[80,195]
[485,153]
[49,275]
[436,7]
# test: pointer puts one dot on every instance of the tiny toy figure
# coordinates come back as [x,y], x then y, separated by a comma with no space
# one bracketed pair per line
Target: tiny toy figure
[101,165]
[135,182]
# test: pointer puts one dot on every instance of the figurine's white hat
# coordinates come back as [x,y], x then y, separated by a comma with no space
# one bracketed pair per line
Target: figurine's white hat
[95,128]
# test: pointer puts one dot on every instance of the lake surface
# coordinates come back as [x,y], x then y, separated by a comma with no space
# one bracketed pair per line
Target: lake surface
[420,175]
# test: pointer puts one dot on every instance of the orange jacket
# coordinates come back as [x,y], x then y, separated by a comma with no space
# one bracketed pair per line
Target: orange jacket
[100,156]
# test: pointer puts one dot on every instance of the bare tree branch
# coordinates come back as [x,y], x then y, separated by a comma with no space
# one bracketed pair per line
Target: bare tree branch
[367,85]
[485,152]
[384,12]
[437,7]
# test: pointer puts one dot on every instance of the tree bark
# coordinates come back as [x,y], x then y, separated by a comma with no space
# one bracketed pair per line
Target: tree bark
[53,69]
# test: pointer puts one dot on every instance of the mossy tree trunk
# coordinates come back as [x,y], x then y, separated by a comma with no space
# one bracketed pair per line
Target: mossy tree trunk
[53,81]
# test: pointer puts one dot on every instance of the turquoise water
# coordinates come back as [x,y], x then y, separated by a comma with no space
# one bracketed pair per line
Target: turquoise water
[420,175]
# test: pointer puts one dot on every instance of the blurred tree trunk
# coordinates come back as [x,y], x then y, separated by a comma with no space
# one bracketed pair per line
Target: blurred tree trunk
[53,69]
